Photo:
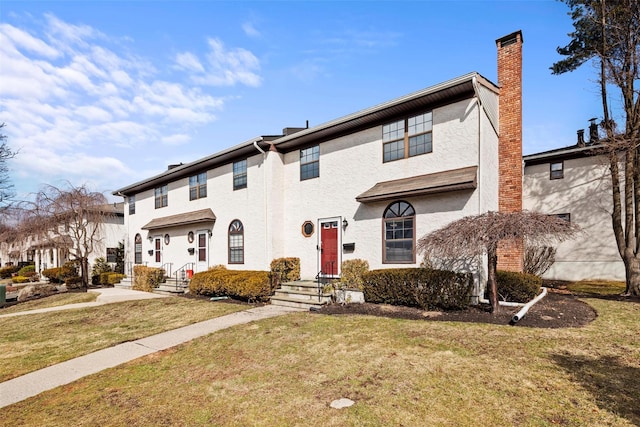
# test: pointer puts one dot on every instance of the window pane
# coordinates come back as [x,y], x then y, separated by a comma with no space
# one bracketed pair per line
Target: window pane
[310,170]
[393,131]
[393,151]
[420,144]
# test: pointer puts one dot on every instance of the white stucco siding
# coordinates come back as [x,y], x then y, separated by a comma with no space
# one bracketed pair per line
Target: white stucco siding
[584,193]
[488,178]
[246,205]
[351,164]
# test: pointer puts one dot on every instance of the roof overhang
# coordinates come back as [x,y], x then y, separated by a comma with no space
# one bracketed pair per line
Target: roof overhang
[444,93]
[572,152]
[415,186]
[202,216]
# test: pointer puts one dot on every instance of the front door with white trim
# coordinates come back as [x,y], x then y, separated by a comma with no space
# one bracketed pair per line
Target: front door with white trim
[329,254]
[202,254]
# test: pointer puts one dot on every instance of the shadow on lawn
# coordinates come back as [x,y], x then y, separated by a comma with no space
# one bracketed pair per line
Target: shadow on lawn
[613,384]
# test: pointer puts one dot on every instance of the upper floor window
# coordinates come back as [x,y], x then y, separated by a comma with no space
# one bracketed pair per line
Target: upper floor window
[240,174]
[236,243]
[161,196]
[198,186]
[408,137]
[310,163]
[399,233]
[132,205]
[556,170]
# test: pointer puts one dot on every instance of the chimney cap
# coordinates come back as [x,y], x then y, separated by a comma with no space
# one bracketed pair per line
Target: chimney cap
[510,39]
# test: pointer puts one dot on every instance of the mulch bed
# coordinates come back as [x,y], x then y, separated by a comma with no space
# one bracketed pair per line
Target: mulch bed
[559,309]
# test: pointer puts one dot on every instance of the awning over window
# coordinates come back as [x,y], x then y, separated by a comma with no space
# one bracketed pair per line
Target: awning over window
[440,182]
[195,217]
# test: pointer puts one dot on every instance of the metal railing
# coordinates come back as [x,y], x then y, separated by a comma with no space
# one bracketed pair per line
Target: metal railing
[182,275]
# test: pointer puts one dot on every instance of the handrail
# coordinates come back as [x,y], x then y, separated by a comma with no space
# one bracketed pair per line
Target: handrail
[167,272]
[183,274]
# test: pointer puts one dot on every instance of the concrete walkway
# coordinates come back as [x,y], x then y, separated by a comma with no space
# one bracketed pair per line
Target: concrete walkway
[105,296]
[31,384]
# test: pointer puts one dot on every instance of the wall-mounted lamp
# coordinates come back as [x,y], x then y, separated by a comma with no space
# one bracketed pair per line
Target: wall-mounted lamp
[345,223]
[150,251]
[210,233]
[150,237]
[191,251]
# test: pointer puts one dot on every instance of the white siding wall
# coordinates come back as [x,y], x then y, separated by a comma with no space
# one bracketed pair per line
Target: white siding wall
[585,193]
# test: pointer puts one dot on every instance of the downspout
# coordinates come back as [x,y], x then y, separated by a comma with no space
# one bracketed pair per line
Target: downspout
[474,82]
[264,196]
[520,314]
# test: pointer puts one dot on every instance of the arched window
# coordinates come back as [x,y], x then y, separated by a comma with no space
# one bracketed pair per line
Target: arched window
[236,242]
[399,234]
[138,249]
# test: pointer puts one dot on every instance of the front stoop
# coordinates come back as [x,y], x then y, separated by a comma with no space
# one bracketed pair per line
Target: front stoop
[124,283]
[172,287]
[300,294]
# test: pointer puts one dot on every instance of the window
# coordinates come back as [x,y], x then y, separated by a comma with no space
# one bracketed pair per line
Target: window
[310,163]
[307,229]
[157,247]
[160,194]
[202,247]
[111,254]
[132,205]
[240,175]
[399,233]
[236,243]
[565,216]
[408,137]
[556,170]
[138,249]
[198,186]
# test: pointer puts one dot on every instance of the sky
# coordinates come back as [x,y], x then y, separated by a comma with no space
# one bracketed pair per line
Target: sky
[107,93]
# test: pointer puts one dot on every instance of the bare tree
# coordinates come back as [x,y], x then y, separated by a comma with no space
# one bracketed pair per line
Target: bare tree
[6,188]
[474,236]
[606,31]
[74,215]
[538,259]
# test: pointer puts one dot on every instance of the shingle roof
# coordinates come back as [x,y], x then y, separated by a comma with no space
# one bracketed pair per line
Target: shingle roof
[195,217]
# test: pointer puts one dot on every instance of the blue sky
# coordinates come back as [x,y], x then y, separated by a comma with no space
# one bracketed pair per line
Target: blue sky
[106,93]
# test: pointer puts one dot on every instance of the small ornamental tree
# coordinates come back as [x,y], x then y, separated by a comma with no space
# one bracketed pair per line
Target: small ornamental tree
[473,236]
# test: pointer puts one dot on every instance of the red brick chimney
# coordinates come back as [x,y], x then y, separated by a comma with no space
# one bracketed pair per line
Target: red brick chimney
[510,254]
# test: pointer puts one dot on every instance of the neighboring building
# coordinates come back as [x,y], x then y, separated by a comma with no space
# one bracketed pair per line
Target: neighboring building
[366,185]
[54,250]
[574,182]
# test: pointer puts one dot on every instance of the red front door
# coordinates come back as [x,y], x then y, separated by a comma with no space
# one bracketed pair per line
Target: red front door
[329,248]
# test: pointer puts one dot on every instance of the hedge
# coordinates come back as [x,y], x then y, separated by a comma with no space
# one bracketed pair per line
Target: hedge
[20,279]
[7,272]
[418,287]
[517,287]
[61,274]
[110,278]
[352,273]
[245,284]
[284,270]
[146,278]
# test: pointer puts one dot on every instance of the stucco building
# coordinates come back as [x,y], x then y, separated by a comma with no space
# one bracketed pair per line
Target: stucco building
[366,185]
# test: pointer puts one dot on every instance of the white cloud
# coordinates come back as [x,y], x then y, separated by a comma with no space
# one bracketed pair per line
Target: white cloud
[74,100]
[250,30]
[224,67]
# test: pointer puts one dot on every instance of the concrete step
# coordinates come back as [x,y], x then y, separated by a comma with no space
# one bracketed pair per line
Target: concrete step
[295,303]
[302,295]
[300,285]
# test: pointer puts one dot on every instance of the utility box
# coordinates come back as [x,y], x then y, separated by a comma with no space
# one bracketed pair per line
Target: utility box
[3,294]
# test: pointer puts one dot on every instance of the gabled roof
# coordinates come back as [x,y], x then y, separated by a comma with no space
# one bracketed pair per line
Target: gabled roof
[439,182]
[434,96]
[565,153]
[195,217]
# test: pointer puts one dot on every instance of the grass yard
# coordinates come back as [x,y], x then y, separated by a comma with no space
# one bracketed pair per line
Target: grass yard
[35,341]
[51,301]
[285,371]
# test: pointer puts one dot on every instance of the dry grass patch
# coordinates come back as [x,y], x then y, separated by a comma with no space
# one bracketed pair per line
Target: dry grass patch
[37,340]
[286,371]
[51,301]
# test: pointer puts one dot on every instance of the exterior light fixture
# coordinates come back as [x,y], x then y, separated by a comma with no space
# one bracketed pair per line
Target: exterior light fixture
[345,223]
[210,233]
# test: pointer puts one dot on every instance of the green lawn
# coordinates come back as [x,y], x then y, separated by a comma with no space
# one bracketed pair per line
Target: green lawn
[285,371]
[35,341]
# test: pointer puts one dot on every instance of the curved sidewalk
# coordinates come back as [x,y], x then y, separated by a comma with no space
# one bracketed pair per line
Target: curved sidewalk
[33,383]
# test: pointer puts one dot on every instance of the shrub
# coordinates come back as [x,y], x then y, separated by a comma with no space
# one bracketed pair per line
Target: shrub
[20,279]
[538,259]
[517,287]
[61,274]
[7,272]
[244,284]
[27,270]
[284,270]
[100,266]
[352,272]
[73,282]
[111,278]
[146,278]
[418,287]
